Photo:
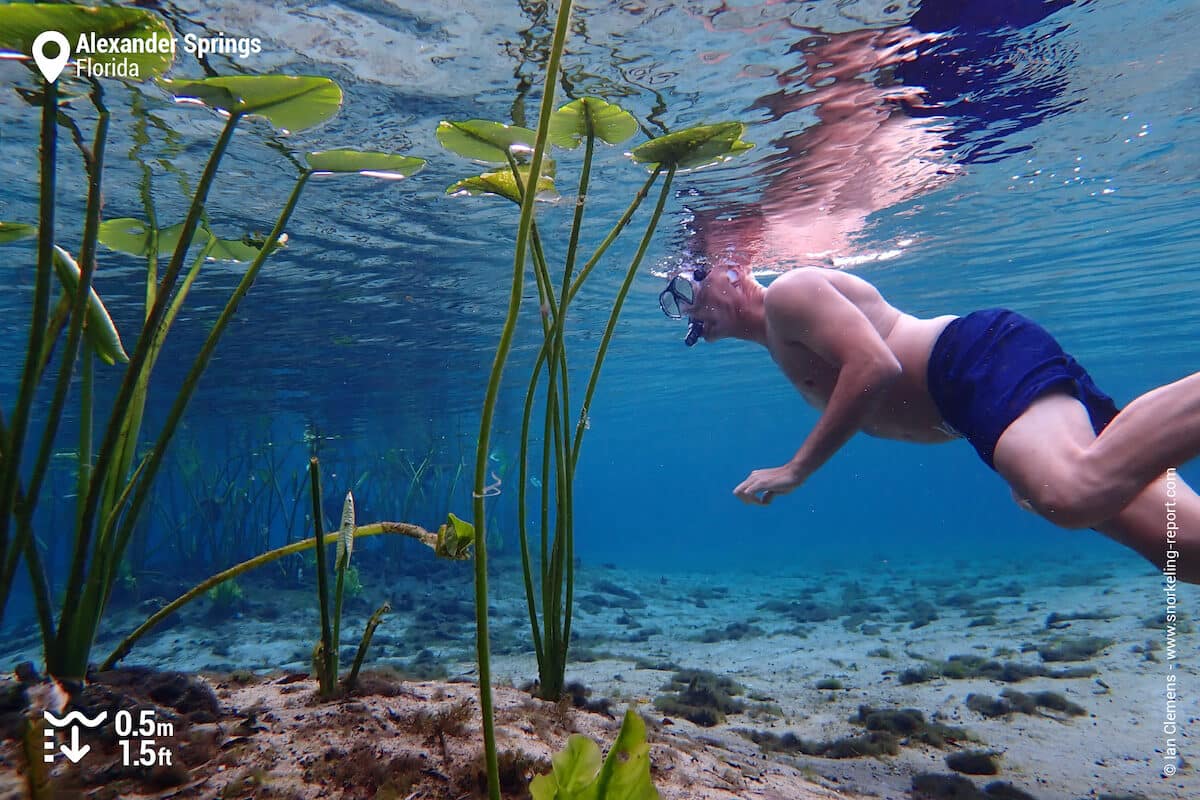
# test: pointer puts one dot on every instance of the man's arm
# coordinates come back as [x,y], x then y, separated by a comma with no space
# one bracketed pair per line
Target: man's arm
[806,307]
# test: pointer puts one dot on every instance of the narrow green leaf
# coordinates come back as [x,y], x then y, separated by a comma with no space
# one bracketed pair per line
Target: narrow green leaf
[502,184]
[289,102]
[377,165]
[22,23]
[16,231]
[98,327]
[693,148]
[609,122]
[484,140]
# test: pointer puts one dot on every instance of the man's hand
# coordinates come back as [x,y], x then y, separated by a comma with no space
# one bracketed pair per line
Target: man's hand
[763,484]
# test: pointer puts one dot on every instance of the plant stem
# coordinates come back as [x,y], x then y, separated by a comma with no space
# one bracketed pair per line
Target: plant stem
[137,362]
[615,231]
[616,312]
[100,580]
[323,671]
[479,511]
[374,529]
[372,624]
[10,468]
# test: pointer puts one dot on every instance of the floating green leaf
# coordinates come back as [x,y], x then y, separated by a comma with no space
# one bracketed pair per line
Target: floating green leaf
[579,775]
[608,121]
[16,231]
[377,165]
[21,23]
[502,184]
[693,148]
[484,140]
[129,235]
[99,329]
[455,538]
[132,236]
[244,249]
[289,102]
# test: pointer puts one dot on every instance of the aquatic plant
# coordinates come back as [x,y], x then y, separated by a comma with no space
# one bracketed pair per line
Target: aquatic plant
[325,654]
[579,773]
[112,491]
[452,540]
[526,173]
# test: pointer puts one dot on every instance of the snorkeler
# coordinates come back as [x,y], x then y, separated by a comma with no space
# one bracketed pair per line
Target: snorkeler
[994,378]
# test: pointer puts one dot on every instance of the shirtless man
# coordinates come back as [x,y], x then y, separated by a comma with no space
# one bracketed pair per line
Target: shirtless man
[992,377]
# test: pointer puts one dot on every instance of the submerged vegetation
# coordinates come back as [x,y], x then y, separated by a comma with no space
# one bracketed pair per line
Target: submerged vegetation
[115,475]
[117,461]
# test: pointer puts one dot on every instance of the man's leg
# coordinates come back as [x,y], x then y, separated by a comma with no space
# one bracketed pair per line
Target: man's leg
[1080,480]
[1044,457]
[1142,526]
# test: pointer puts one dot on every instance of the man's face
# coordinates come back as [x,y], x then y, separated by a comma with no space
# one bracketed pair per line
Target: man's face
[716,304]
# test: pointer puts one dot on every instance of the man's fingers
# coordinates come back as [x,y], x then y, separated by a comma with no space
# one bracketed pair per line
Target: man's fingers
[747,493]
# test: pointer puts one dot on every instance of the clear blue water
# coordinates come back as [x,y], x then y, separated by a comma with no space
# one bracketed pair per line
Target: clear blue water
[1044,161]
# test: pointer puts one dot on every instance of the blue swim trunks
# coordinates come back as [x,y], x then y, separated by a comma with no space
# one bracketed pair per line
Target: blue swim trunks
[988,367]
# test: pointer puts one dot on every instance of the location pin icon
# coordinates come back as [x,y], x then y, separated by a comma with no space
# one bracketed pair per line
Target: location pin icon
[51,68]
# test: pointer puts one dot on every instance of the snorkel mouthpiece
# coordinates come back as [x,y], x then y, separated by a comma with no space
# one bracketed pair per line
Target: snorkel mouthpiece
[695,331]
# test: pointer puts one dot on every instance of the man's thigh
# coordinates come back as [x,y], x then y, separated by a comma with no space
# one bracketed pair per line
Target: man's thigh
[1039,453]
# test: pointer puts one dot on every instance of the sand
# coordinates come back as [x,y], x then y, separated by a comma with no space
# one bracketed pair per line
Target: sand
[634,628]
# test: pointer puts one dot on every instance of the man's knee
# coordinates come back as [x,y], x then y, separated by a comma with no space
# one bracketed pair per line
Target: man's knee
[1072,500]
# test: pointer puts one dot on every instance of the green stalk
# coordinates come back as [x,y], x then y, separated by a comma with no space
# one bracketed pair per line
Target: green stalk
[523,510]
[87,259]
[94,164]
[615,231]
[489,405]
[369,632]
[144,483]
[86,408]
[109,550]
[10,471]
[338,593]
[200,589]
[137,362]
[323,666]
[58,320]
[616,312]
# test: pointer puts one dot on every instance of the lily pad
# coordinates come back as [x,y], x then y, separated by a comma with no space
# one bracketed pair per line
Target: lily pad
[693,148]
[608,121]
[16,231]
[98,326]
[129,235]
[289,102]
[371,164]
[22,23]
[484,140]
[502,184]
[132,236]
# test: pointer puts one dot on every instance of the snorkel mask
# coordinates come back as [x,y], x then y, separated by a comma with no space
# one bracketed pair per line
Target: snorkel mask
[680,293]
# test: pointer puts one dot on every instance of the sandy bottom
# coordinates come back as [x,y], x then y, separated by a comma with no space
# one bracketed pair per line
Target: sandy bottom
[805,650]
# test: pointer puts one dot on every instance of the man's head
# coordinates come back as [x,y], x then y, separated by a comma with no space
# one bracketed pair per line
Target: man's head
[718,302]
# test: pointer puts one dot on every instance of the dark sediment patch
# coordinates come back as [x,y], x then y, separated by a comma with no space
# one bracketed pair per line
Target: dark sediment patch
[1073,648]
[1011,702]
[935,786]
[974,762]
[731,632]
[699,696]
[960,667]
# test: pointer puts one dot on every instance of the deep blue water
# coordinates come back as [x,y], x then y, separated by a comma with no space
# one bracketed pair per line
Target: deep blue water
[1035,156]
